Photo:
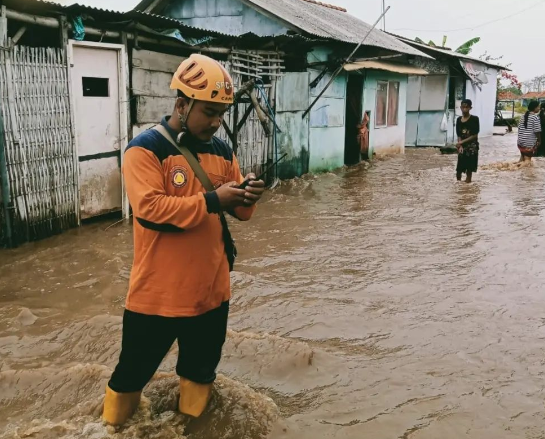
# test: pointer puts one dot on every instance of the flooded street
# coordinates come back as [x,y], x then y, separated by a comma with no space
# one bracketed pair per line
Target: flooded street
[382,301]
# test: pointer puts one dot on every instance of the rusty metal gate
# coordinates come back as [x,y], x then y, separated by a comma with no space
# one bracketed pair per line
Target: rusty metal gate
[38,142]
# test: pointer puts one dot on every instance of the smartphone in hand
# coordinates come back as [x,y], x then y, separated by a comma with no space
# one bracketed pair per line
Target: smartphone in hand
[246,182]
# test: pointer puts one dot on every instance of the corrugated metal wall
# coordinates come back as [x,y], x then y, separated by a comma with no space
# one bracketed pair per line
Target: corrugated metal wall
[232,17]
[292,100]
[327,132]
[39,147]
[426,107]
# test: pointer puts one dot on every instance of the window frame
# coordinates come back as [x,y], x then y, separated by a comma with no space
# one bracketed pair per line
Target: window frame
[381,82]
[392,84]
[387,84]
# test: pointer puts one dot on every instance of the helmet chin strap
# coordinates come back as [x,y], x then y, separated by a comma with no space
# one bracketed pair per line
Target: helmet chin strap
[183,120]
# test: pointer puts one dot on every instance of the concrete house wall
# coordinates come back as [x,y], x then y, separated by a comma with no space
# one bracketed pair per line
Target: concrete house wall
[385,140]
[484,101]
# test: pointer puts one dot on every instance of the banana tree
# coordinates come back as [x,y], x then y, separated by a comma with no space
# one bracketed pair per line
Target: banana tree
[464,49]
[467,47]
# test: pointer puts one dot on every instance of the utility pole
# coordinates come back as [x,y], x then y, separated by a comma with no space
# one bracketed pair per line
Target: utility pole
[384,16]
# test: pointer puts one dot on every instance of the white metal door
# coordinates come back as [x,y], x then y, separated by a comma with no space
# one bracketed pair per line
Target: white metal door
[96,90]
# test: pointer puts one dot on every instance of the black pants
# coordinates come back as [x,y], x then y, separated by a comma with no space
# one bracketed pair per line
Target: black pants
[147,339]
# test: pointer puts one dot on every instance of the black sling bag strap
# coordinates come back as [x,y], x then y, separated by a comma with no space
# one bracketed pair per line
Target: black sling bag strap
[230,248]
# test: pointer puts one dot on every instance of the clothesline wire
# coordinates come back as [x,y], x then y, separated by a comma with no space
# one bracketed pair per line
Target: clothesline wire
[478,26]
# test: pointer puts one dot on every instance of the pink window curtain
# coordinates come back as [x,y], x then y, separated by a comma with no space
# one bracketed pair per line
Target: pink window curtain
[380,110]
[393,103]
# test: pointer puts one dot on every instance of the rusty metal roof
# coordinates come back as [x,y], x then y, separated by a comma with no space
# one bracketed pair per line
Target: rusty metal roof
[89,4]
[385,65]
[317,19]
[311,17]
[509,96]
[326,22]
[533,95]
[107,16]
[434,51]
[327,5]
[152,20]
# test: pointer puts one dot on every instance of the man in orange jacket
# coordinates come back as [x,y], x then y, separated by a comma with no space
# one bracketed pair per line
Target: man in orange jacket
[180,286]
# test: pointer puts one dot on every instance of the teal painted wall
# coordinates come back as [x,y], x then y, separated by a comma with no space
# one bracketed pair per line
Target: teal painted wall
[326,124]
[385,140]
[292,95]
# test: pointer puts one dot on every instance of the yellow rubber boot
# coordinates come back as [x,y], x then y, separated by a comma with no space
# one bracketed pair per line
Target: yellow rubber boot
[194,397]
[119,407]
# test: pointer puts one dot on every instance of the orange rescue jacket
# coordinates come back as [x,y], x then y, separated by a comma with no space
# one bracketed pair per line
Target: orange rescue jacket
[180,267]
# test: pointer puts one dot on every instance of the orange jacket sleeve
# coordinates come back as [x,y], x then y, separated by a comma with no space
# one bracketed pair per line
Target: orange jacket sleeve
[144,180]
[242,213]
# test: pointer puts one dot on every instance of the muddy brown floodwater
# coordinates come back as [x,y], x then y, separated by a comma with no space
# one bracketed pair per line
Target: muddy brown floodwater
[382,301]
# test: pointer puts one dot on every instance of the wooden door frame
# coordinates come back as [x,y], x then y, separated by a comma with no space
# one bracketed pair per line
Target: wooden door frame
[122,75]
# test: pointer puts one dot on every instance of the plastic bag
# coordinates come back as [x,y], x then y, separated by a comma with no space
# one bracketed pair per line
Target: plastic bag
[78,28]
[444,123]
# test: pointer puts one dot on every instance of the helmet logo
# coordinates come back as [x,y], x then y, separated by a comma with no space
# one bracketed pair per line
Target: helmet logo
[190,78]
[226,81]
[226,85]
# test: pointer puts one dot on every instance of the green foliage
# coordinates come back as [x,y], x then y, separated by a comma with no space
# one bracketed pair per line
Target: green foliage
[467,47]
[519,108]
[515,90]
[464,49]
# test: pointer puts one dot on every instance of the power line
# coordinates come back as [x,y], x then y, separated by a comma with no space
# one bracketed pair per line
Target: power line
[475,27]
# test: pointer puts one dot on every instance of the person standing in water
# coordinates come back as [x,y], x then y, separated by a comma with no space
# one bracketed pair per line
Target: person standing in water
[179,287]
[529,135]
[541,149]
[467,130]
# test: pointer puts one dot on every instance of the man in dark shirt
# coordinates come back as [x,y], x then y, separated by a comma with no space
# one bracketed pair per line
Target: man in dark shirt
[467,129]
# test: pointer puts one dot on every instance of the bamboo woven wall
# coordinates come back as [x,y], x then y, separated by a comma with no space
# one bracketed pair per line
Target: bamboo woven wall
[255,148]
[40,152]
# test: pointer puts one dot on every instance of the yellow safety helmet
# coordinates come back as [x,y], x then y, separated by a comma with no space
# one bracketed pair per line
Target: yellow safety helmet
[203,78]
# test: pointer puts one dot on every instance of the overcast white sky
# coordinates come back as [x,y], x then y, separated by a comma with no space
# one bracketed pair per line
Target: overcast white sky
[511,31]
[509,28]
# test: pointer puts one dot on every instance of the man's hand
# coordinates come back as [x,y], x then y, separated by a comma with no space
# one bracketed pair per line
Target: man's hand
[254,190]
[230,197]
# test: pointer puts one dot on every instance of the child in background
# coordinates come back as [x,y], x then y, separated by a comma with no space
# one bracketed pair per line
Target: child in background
[467,129]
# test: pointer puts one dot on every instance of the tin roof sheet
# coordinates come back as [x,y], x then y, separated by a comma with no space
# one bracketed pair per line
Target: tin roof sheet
[326,22]
[446,52]
[387,66]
